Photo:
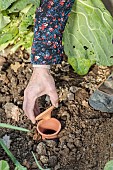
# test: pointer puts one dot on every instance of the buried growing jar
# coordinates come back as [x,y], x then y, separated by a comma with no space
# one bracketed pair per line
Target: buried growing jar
[48,127]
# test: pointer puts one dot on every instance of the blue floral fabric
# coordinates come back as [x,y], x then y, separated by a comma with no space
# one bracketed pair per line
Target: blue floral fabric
[50,21]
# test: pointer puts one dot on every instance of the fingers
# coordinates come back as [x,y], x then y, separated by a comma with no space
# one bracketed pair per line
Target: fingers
[54,97]
[28,107]
[37,87]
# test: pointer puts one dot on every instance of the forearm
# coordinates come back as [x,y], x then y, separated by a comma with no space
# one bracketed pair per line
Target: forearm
[50,21]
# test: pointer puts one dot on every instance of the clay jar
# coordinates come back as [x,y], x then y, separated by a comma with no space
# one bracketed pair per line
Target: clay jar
[48,127]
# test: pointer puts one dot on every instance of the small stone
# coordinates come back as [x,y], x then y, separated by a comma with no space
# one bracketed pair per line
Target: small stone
[26,163]
[65,146]
[78,143]
[70,96]
[65,115]
[44,159]
[73,89]
[15,66]
[83,124]
[7,140]
[53,161]
[51,143]
[66,151]
[70,145]
[72,136]
[2,61]
[4,78]
[47,99]
[85,103]
[26,56]
[12,111]
[70,140]
[41,148]
[57,166]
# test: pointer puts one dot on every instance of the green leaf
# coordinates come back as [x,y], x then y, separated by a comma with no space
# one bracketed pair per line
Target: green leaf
[26,9]
[109,165]
[27,19]
[80,65]
[4,165]
[10,31]
[21,4]
[5,38]
[17,45]
[4,125]
[20,168]
[28,40]
[4,4]
[88,35]
[3,46]
[4,20]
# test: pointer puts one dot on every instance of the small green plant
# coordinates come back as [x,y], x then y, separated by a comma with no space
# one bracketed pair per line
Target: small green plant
[4,125]
[4,164]
[109,165]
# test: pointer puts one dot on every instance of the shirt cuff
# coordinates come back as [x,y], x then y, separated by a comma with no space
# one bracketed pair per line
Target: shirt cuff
[41,66]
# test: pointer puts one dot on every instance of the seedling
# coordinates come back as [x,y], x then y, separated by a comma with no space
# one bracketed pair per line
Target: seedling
[18,166]
[4,164]
[40,168]
[4,125]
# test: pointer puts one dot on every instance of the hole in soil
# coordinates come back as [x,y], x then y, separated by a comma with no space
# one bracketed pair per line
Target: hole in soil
[111,57]
[73,46]
[49,131]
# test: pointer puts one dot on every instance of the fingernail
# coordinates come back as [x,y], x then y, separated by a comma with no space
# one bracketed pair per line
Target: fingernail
[56,105]
[33,122]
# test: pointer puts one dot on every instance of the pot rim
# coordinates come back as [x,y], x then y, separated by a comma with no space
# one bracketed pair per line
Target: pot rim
[59,128]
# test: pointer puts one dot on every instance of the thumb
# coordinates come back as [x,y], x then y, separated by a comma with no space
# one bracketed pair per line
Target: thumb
[54,98]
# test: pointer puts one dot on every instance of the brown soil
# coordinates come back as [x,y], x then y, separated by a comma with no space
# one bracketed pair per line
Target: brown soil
[85,141]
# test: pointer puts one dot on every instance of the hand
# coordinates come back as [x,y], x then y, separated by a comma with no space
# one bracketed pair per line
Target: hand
[41,83]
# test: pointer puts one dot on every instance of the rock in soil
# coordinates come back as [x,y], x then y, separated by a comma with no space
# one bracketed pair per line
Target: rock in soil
[41,148]
[44,159]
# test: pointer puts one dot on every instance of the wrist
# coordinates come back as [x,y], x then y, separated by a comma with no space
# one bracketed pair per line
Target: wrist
[41,70]
[41,66]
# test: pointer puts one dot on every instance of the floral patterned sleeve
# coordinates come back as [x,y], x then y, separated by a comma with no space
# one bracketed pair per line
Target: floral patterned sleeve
[50,21]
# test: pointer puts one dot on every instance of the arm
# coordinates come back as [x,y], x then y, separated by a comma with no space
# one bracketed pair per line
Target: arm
[47,49]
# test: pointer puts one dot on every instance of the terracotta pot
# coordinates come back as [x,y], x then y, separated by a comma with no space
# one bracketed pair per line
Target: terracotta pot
[48,127]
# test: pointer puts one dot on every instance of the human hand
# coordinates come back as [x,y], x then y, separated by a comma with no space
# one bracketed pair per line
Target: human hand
[41,83]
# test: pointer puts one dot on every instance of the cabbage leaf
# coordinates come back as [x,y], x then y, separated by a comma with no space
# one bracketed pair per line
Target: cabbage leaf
[88,36]
[21,4]
[4,20]
[4,4]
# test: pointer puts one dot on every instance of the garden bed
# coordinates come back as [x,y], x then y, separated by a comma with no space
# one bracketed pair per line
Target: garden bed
[86,139]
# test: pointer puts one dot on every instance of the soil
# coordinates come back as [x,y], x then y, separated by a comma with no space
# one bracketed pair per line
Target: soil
[85,141]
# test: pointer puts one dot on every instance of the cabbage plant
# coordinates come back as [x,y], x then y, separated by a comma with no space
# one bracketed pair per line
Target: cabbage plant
[88,36]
